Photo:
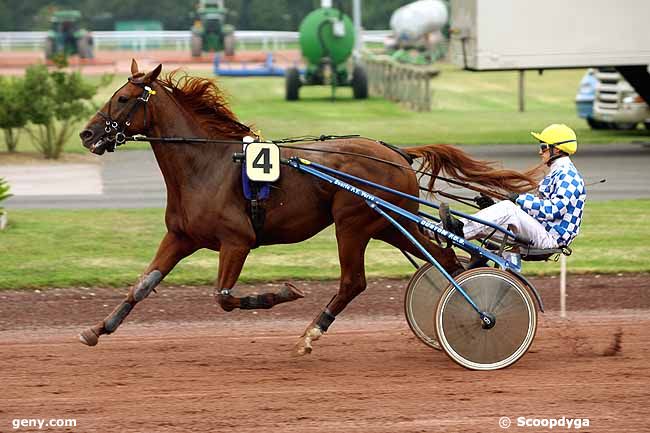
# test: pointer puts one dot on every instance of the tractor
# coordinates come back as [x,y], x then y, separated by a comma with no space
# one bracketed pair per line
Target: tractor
[210,31]
[67,37]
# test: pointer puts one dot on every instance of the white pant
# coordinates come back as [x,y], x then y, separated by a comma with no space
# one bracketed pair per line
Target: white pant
[508,215]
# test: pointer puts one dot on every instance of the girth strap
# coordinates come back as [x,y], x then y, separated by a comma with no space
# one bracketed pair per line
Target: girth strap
[255,193]
[257,214]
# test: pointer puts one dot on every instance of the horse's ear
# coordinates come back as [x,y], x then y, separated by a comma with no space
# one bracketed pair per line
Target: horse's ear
[151,76]
[134,67]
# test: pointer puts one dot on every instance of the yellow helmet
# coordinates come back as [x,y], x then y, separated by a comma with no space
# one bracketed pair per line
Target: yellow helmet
[559,136]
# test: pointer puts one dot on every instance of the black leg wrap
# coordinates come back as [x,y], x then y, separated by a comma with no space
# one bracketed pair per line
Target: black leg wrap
[145,287]
[258,302]
[117,316]
[325,320]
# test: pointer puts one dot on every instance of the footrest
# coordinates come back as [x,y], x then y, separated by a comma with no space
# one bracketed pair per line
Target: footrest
[541,254]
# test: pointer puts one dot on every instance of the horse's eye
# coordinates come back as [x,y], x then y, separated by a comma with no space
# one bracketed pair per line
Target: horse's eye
[122,99]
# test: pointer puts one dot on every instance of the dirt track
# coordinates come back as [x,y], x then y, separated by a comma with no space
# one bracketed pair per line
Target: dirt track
[180,364]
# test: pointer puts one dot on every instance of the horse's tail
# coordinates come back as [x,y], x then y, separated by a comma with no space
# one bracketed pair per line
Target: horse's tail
[444,159]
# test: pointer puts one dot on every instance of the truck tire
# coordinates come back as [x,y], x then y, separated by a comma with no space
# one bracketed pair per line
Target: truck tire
[624,126]
[597,124]
[196,45]
[292,82]
[359,82]
[229,44]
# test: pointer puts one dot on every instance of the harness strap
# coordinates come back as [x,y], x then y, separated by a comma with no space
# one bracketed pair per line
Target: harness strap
[399,150]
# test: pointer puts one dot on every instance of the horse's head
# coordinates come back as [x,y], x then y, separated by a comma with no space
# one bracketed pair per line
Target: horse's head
[124,114]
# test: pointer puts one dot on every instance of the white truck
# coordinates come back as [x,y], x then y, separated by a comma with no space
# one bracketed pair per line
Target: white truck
[616,104]
[556,34]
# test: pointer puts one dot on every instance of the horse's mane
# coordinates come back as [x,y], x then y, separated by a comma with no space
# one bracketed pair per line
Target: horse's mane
[207,102]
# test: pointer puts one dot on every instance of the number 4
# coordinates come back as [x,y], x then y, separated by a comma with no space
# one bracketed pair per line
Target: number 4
[265,156]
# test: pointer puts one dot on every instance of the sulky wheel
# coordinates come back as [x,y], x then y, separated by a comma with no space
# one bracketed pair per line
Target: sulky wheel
[461,333]
[422,294]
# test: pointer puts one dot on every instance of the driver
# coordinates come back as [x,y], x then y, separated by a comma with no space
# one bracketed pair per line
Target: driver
[550,219]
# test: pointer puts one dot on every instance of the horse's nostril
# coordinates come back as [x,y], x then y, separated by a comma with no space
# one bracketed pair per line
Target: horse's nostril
[86,134]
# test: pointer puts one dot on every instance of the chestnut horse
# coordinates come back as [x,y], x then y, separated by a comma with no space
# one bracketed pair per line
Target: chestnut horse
[206,207]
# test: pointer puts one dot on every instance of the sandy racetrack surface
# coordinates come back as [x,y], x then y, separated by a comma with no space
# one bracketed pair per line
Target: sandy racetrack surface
[181,364]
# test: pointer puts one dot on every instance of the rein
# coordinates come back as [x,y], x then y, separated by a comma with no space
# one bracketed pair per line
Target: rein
[465,200]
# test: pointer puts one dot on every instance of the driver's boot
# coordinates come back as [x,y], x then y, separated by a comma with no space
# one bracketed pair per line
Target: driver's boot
[450,223]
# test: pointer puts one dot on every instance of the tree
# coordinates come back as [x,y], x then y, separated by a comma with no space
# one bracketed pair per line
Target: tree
[57,100]
[13,116]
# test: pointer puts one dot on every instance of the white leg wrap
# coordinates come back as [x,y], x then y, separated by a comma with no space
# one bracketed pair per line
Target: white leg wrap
[304,344]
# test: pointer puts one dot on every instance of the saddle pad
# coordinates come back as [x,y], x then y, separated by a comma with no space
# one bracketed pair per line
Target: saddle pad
[254,190]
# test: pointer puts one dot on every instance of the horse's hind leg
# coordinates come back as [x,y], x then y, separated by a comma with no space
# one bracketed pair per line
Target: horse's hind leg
[231,262]
[172,249]
[352,249]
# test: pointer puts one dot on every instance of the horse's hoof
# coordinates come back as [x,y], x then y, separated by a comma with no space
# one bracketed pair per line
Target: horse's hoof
[289,293]
[88,337]
[301,349]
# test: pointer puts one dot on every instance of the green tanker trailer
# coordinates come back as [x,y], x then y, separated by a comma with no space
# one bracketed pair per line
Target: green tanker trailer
[326,40]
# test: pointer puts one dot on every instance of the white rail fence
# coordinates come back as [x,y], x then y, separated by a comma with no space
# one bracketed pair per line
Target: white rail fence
[177,40]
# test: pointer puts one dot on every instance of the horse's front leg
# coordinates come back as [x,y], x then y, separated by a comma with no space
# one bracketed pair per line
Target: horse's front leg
[173,248]
[231,262]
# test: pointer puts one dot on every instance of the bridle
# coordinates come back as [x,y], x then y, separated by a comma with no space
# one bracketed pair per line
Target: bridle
[118,128]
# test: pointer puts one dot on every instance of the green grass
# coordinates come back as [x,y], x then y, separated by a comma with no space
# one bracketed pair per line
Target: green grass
[468,108]
[45,248]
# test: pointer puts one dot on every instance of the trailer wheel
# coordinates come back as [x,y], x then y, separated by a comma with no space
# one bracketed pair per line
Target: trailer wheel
[359,82]
[292,81]
[196,45]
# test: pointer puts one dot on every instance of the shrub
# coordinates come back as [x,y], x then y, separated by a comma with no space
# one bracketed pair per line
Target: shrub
[4,192]
[13,114]
[57,100]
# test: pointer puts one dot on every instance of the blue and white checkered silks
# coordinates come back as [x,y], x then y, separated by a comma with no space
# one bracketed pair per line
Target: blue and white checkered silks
[560,201]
